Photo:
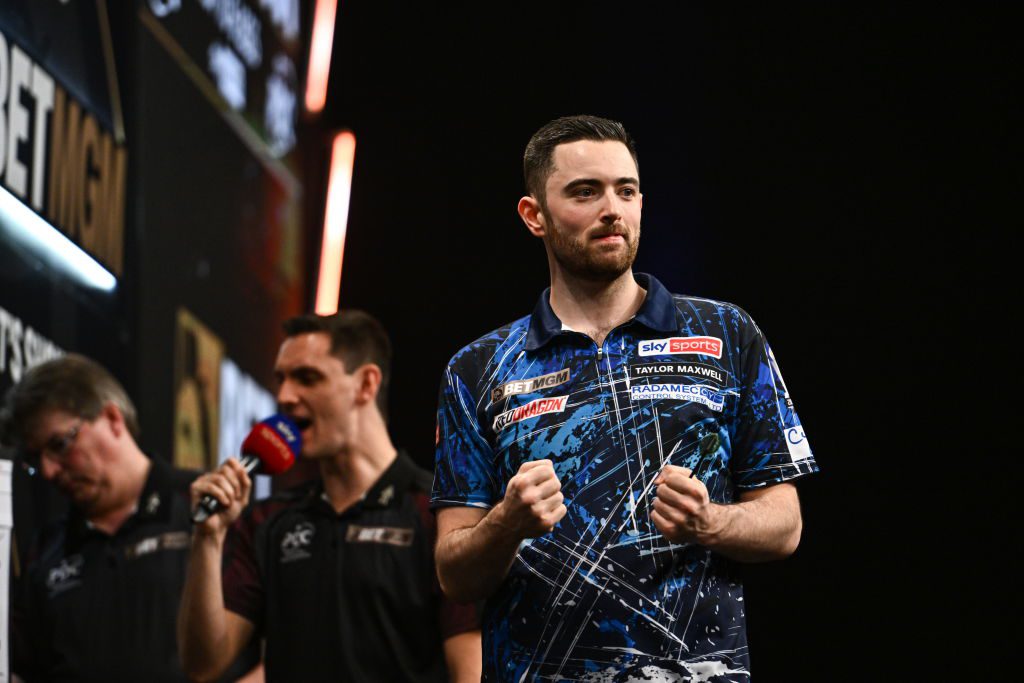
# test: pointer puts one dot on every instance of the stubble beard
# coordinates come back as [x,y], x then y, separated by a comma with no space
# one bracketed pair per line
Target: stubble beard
[586,262]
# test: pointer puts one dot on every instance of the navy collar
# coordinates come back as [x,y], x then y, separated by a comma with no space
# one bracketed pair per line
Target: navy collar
[657,312]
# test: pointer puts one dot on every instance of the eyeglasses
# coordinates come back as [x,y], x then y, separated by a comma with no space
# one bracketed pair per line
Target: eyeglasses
[56,447]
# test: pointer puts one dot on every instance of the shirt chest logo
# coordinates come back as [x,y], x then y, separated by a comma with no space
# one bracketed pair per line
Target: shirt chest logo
[172,540]
[296,543]
[682,392]
[388,535]
[66,575]
[540,406]
[705,372]
[703,346]
[526,386]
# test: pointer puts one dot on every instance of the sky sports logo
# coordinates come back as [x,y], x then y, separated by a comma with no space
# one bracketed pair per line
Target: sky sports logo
[534,408]
[704,346]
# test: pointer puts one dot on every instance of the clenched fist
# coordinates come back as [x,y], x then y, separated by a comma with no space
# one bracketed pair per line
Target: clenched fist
[533,500]
[683,511]
[230,485]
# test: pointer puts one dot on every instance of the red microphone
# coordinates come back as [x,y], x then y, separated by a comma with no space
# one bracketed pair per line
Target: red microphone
[270,448]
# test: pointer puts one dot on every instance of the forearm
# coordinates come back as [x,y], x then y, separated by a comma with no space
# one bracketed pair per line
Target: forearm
[473,561]
[203,637]
[764,527]
[463,656]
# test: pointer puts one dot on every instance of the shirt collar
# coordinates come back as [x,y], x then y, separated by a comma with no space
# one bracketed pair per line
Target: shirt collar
[386,492]
[657,312]
[154,503]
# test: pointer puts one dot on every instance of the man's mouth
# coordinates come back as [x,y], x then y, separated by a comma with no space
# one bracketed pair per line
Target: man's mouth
[303,423]
[609,237]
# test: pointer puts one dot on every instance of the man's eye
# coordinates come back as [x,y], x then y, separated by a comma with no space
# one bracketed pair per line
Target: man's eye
[585,192]
[629,192]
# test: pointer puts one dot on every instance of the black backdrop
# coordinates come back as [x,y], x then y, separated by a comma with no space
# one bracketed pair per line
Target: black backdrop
[843,172]
[849,175]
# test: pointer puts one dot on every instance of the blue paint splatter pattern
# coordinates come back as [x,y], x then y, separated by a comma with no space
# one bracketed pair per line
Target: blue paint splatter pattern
[604,597]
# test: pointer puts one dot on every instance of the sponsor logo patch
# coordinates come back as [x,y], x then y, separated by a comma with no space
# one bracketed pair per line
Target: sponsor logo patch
[296,543]
[796,440]
[704,346]
[526,386]
[540,406]
[683,392]
[66,575]
[388,535]
[172,540]
[702,370]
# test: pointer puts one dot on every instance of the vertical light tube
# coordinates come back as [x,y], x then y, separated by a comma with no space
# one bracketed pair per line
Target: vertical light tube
[339,191]
[320,55]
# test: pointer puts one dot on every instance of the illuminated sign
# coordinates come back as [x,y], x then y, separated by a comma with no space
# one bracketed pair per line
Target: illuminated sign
[247,50]
[21,348]
[56,158]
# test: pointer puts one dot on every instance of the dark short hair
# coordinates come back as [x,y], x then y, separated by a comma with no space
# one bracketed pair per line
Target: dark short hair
[74,384]
[538,160]
[357,338]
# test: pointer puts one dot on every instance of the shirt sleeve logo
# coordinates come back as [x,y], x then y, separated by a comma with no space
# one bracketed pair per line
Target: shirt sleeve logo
[534,408]
[296,543]
[526,386]
[703,346]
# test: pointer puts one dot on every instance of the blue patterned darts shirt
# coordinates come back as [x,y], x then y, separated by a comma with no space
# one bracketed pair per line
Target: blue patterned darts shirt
[604,597]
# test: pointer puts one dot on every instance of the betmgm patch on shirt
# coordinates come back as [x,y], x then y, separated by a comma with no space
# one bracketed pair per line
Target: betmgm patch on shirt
[527,386]
[697,393]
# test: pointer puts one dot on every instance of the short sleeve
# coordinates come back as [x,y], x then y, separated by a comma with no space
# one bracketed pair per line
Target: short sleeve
[769,444]
[463,467]
[243,587]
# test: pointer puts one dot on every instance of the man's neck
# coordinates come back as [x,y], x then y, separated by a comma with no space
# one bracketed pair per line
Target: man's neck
[125,490]
[352,472]
[595,308]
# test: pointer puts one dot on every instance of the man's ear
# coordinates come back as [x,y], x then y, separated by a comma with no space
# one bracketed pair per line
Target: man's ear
[115,417]
[369,377]
[530,211]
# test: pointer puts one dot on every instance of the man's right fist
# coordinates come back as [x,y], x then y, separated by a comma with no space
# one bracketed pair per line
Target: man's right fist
[230,485]
[533,500]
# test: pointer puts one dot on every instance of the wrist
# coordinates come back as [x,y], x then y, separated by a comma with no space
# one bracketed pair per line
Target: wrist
[207,539]
[500,527]
[716,525]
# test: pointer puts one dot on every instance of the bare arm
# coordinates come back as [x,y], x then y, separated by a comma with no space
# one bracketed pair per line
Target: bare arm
[464,657]
[475,548]
[764,525]
[210,636]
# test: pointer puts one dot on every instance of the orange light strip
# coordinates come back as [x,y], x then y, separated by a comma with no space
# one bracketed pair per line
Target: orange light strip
[320,55]
[339,191]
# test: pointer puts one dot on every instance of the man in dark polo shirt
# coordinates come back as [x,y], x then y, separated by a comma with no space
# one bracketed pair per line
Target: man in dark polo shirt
[99,598]
[337,577]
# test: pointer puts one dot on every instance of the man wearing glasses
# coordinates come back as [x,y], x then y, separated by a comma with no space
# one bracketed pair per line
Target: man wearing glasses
[100,595]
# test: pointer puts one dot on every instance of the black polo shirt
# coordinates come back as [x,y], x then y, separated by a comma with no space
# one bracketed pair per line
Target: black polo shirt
[345,597]
[96,607]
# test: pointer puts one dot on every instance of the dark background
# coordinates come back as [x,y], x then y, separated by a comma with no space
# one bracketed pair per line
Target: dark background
[844,173]
[849,175]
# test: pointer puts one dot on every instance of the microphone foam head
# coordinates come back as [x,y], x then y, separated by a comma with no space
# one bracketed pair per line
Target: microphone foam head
[276,442]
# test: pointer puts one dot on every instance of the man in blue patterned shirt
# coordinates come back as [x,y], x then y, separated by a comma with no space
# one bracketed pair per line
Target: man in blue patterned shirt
[602,462]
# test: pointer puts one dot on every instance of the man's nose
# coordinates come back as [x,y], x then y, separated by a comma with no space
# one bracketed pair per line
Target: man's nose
[49,468]
[611,207]
[286,394]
